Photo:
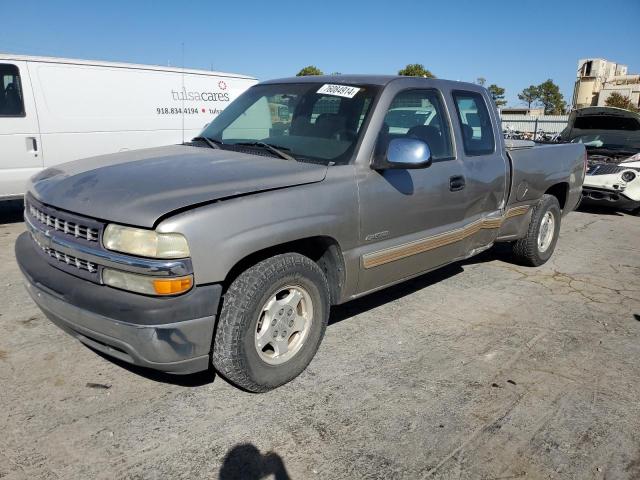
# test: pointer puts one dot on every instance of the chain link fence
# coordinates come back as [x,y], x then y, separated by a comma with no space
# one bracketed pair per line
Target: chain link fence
[530,126]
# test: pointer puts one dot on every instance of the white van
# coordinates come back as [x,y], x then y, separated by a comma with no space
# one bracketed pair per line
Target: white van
[54,110]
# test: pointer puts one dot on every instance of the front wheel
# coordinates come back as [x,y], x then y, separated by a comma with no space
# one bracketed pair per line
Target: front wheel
[539,243]
[273,318]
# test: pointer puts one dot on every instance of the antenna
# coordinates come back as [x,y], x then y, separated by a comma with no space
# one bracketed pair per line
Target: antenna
[184,92]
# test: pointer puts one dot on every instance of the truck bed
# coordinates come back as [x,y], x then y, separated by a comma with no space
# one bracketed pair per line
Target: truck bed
[535,168]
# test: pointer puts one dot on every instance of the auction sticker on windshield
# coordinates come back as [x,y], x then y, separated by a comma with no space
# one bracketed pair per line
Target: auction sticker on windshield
[339,90]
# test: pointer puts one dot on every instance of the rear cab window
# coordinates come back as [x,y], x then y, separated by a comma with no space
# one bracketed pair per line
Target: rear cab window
[475,123]
[11,100]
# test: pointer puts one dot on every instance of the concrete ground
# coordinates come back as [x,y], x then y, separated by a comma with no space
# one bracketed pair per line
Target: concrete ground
[481,370]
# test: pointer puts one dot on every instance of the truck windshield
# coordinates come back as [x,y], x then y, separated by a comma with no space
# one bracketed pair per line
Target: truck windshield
[615,132]
[314,122]
[623,141]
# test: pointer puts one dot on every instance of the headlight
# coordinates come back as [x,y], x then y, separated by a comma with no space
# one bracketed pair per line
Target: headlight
[145,243]
[146,284]
[628,176]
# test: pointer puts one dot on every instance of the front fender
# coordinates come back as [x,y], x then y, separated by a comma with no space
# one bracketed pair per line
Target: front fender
[223,233]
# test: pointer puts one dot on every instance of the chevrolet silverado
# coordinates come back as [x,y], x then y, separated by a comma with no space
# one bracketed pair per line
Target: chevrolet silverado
[227,252]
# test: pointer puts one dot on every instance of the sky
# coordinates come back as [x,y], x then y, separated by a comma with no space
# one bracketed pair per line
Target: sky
[511,43]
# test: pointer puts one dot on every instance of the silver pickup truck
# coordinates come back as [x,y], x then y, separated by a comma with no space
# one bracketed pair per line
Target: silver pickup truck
[229,251]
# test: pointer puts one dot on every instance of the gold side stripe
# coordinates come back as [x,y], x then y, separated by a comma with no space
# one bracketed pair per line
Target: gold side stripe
[515,211]
[392,254]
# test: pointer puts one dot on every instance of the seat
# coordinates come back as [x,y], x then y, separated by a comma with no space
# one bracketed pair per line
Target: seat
[301,127]
[13,104]
[467,137]
[483,144]
[3,102]
[431,135]
[329,124]
[467,132]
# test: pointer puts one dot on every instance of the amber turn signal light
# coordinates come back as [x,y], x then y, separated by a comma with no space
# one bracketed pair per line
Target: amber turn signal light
[172,286]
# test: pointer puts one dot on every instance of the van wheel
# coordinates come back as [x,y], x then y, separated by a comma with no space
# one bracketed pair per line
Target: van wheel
[273,318]
[539,243]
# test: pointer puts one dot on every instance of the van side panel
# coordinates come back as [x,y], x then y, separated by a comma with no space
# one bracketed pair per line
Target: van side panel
[88,110]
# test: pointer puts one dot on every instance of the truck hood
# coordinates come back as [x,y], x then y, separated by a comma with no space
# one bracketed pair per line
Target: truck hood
[139,187]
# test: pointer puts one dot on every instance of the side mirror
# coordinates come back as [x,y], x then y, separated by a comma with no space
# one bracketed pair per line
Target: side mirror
[404,153]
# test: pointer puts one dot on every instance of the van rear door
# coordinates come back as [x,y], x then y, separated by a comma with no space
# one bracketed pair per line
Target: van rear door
[19,134]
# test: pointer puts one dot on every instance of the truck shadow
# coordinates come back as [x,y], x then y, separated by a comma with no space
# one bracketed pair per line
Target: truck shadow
[350,309]
[596,209]
[11,211]
[245,462]
[500,252]
[199,379]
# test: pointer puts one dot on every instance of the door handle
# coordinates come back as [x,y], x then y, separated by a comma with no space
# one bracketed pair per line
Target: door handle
[456,183]
[32,145]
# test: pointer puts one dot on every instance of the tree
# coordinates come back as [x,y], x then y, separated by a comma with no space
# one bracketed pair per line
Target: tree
[310,70]
[481,81]
[497,93]
[551,98]
[530,95]
[416,70]
[621,101]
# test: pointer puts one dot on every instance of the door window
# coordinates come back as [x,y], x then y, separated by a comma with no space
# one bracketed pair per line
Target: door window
[418,114]
[11,100]
[477,132]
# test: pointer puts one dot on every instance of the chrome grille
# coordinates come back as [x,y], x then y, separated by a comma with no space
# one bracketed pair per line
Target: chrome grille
[68,259]
[61,225]
[604,169]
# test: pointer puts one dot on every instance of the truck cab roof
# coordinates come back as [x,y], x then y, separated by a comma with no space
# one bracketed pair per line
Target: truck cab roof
[379,80]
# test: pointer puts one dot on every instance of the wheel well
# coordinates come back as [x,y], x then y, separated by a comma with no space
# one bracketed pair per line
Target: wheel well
[325,251]
[559,190]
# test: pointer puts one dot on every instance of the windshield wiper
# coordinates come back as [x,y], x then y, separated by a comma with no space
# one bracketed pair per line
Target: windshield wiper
[277,150]
[215,144]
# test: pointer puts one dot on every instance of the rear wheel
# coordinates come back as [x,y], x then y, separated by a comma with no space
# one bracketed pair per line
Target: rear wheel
[540,242]
[273,319]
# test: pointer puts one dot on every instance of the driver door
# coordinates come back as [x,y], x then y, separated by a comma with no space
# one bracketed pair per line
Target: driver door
[409,217]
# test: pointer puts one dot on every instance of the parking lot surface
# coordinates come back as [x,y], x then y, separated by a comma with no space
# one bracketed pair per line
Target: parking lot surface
[483,369]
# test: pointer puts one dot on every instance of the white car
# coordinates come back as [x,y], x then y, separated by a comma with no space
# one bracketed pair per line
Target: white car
[614,184]
[612,139]
[55,110]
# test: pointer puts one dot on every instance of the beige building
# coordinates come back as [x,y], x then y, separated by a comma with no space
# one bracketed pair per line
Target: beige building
[628,85]
[597,78]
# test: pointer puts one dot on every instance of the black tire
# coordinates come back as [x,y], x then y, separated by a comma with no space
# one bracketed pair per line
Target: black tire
[526,250]
[234,354]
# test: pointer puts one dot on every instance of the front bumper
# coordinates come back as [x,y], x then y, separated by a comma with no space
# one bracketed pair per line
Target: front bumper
[608,198]
[171,334]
